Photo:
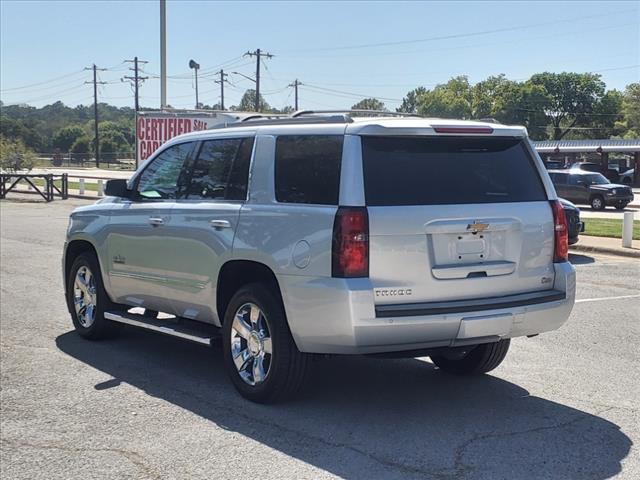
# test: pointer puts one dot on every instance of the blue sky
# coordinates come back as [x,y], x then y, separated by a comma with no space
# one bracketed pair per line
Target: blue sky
[341,52]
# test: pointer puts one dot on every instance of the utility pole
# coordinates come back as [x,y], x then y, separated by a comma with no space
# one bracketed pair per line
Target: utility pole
[258,54]
[295,85]
[95,109]
[137,80]
[163,54]
[223,78]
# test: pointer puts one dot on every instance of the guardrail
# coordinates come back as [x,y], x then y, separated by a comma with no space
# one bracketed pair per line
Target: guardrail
[50,188]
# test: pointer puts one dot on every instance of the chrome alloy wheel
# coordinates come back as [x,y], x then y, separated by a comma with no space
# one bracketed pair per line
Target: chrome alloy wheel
[251,344]
[85,296]
[596,203]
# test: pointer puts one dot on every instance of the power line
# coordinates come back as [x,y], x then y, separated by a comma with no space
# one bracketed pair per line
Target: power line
[295,86]
[461,35]
[136,80]
[95,109]
[222,81]
[258,54]
[24,87]
[349,94]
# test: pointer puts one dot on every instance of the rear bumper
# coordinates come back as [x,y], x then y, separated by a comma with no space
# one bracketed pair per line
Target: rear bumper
[330,315]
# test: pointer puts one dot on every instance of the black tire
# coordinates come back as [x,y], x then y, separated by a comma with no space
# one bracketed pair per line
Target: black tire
[621,206]
[481,359]
[597,202]
[287,366]
[100,327]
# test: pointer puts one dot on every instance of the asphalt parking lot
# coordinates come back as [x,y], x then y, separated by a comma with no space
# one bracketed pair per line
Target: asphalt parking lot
[564,405]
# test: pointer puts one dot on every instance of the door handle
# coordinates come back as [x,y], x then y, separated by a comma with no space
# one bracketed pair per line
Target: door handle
[156,221]
[220,224]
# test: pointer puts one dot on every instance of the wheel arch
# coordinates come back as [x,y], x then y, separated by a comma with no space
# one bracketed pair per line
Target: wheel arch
[76,247]
[234,274]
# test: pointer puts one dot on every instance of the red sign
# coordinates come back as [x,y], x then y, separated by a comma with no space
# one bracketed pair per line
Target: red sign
[152,131]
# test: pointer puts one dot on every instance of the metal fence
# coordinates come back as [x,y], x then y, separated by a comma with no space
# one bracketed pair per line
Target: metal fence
[47,190]
[112,161]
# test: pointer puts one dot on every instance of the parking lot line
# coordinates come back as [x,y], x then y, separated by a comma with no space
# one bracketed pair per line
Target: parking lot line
[606,298]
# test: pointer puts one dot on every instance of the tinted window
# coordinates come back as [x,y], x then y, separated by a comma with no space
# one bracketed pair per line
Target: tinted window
[559,178]
[595,179]
[164,175]
[452,170]
[307,169]
[221,170]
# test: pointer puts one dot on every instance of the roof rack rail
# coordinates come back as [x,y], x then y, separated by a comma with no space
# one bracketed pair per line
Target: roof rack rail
[257,120]
[350,113]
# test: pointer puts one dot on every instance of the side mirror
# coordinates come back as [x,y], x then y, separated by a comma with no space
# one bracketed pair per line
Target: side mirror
[117,188]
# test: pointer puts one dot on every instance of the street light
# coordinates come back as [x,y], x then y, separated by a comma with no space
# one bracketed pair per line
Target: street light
[195,66]
[243,75]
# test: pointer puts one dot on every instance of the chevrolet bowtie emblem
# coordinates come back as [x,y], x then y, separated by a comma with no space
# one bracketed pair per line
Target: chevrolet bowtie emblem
[476,227]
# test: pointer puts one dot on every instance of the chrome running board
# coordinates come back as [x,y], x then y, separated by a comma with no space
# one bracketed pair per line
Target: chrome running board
[201,333]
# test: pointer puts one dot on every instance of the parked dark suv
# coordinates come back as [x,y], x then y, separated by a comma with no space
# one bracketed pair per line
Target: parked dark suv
[591,188]
[574,225]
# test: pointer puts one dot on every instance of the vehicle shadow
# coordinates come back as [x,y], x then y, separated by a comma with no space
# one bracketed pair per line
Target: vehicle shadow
[579,259]
[373,418]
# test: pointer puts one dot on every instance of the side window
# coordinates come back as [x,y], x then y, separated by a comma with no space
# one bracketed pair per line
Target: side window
[307,169]
[221,170]
[560,179]
[573,180]
[164,176]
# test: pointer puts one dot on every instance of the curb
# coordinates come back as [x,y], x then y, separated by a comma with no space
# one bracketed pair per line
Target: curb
[621,252]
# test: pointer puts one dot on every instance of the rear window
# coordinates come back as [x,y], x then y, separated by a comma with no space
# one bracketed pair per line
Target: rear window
[448,170]
[307,169]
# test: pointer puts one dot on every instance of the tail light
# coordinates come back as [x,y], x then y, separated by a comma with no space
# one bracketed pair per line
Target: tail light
[350,249]
[463,130]
[560,233]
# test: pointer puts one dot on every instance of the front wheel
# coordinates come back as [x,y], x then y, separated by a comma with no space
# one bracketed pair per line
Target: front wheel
[88,300]
[479,359]
[260,356]
[621,206]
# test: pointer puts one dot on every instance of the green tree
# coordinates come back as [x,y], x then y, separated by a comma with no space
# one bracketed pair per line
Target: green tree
[572,98]
[369,104]
[453,99]
[631,111]
[114,142]
[513,103]
[82,145]
[248,103]
[410,101]
[66,136]
[15,155]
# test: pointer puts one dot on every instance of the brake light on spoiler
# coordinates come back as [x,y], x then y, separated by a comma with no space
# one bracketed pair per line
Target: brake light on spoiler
[464,130]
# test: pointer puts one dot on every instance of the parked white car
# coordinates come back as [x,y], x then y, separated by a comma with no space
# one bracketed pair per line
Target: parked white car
[328,234]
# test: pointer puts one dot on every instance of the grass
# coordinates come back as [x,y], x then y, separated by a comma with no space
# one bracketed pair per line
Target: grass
[608,227]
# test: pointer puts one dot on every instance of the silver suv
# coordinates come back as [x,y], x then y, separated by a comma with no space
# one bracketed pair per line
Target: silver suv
[328,234]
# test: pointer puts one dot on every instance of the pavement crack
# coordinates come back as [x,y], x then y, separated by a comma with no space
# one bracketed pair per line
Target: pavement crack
[134,457]
[459,466]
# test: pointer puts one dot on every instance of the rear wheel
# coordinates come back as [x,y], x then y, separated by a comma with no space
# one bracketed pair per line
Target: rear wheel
[597,203]
[260,356]
[88,300]
[479,359]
